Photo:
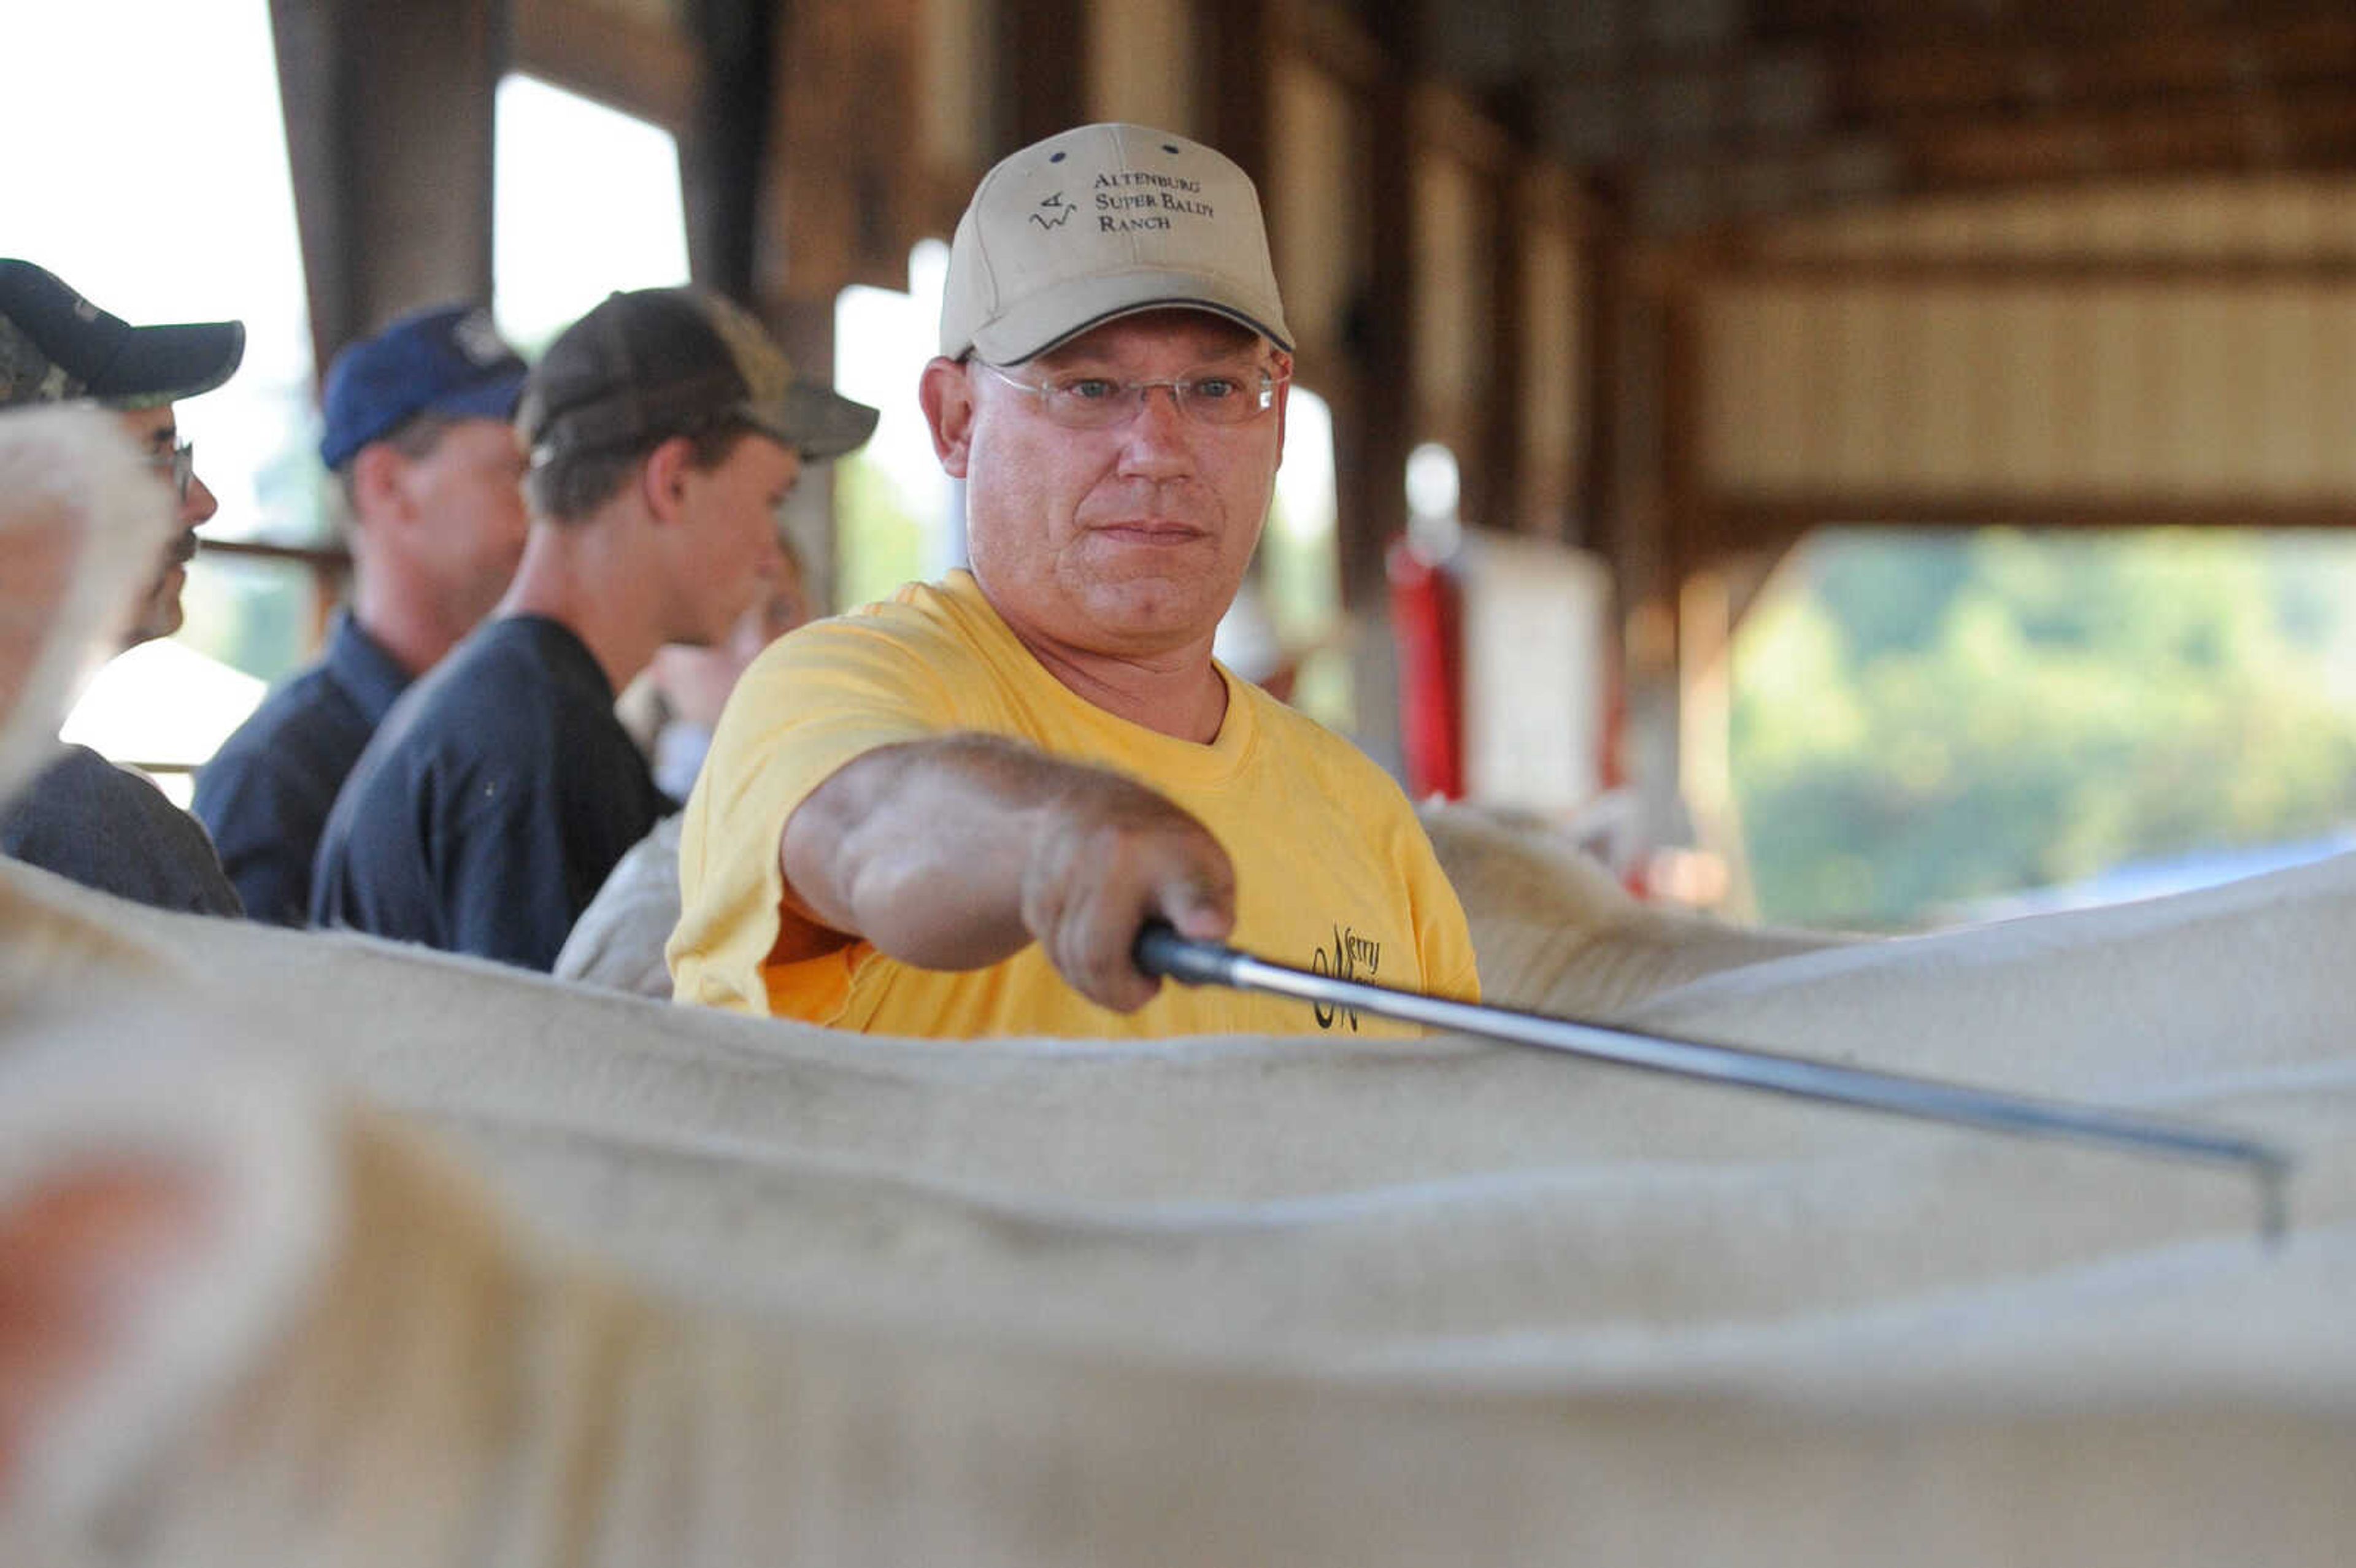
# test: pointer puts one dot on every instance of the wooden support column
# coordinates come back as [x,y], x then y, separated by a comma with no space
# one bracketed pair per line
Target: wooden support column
[388,119]
[805,330]
[1370,448]
[1635,534]
[1374,390]
[1236,51]
[1603,264]
[839,204]
[1043,52]
[723,153]
[1494,485]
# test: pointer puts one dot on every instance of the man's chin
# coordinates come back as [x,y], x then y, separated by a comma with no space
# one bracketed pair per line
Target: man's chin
[160,613]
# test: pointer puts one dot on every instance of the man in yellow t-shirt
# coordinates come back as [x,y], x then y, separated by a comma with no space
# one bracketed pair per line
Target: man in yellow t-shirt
[949,815]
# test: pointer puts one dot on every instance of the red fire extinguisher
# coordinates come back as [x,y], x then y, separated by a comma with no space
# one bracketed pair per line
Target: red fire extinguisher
[1426,626]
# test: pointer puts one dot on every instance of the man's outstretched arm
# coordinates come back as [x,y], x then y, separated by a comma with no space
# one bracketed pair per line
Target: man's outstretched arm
[953,853]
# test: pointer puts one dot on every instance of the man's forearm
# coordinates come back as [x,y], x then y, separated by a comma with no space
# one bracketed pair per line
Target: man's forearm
[920,847]
[956,852]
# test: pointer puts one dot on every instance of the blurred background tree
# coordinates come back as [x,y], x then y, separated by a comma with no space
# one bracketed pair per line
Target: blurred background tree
[1925,721]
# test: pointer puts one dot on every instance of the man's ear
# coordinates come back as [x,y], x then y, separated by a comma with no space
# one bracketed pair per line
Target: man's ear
[1283,402]
[662,478]
[946,395]
[376,482]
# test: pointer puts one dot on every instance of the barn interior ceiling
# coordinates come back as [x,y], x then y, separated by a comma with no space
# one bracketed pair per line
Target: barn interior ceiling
[1696,115]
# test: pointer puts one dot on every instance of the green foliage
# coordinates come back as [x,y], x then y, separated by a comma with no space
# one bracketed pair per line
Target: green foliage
[879,543]
[1940,719]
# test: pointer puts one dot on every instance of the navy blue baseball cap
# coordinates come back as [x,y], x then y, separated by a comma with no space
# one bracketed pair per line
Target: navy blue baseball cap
[56,346]
[447,360]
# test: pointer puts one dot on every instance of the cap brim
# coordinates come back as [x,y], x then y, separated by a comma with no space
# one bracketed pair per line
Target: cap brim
[1033,326]
[160,365]
[818,423]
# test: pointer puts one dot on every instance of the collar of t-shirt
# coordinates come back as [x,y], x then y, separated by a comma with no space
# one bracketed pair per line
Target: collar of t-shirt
[372,677]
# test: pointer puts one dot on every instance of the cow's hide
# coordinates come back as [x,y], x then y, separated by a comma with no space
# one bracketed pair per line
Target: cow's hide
[1101,1265]
[483,1268]
[1556,935]
[1553,931]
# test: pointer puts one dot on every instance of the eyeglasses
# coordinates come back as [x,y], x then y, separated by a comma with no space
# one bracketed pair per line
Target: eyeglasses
[1081,402]
[179,465]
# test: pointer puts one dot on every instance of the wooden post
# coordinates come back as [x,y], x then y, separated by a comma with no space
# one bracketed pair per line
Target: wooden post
[1235,47]
[1043,52]
[389,120]
[724,153]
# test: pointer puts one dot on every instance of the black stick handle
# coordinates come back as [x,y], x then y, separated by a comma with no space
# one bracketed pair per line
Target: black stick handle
[1163,954]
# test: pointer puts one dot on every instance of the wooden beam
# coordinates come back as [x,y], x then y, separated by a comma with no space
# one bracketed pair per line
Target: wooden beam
[2225,130]
[1844,80]
[1235,57]
[389,124]
[637,67]
[723,151]
[1043,53]
[1502,437]
[1604,268]
[1337,37]
[1877,24]
[1370,445]
[2027,73]
[1728,524]
[840,199]
[2042,274]
[2217,133]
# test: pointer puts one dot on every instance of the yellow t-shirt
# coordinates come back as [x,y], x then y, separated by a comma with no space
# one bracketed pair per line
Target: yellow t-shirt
[1332,871]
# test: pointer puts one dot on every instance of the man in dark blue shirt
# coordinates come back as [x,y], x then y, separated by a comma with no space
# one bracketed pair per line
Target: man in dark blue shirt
[83,817]
[665,428]
[419,435]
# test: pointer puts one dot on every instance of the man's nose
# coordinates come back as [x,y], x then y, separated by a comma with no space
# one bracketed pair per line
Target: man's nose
[1159,435]
[197,509]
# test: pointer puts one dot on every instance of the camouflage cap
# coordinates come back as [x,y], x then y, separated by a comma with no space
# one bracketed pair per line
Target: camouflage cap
[56,346]
[654,363]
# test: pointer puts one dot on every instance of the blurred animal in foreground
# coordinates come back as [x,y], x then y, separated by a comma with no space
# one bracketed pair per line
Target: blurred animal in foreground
[317,1248]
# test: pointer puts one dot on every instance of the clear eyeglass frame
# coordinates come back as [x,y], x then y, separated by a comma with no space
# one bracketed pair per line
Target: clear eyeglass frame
[178,465]
[1081,402]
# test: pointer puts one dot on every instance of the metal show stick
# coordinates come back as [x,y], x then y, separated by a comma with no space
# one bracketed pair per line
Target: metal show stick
[1161,951]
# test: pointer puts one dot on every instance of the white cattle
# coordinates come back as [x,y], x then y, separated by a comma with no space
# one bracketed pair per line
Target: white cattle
[536,1274]
[1555,933]
[1839,1330]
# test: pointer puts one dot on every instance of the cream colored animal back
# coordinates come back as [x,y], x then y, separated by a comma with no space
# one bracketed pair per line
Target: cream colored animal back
[720,1290]
[450,1392]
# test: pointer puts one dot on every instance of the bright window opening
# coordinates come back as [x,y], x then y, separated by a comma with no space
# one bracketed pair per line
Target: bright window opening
[898,516]
[175,205]
[585,200]
[1300,569]
[1930,727]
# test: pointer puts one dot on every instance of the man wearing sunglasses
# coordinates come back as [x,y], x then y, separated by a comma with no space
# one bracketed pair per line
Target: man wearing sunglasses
[83,817]
[950,814]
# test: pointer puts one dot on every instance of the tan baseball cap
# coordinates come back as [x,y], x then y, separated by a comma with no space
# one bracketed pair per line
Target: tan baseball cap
[1099,222]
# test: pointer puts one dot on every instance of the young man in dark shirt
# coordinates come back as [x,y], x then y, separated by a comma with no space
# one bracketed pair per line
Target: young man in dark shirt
[664,429]
[419,435]
[83,817]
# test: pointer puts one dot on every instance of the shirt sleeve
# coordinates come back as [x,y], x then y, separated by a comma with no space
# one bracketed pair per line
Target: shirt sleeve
[816,700]
[505,881]
[1443,936]
[110,829]
[265,827]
